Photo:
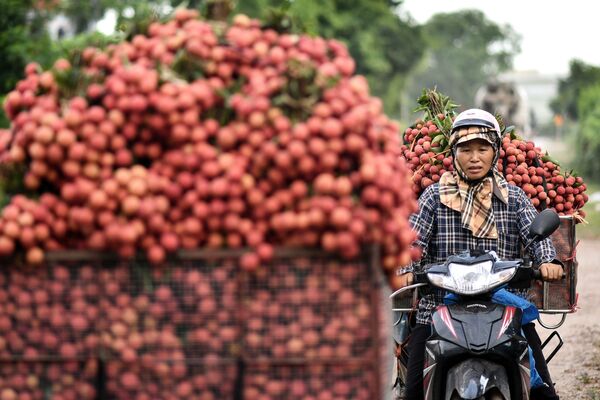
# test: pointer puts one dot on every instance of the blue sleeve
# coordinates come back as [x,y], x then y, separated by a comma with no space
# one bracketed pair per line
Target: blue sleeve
[423,222]
[543,251]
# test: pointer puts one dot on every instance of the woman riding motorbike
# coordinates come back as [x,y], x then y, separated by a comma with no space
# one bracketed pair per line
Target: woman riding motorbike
[473,208]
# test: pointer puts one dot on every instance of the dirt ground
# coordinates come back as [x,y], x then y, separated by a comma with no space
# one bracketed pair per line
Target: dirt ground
[576,367]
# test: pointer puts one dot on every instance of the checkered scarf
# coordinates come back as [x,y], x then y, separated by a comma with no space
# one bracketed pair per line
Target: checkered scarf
[473,199]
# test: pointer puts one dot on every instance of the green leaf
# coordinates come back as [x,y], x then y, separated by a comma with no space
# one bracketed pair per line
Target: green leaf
[443,146]
[546,157]
[513,135]
[438,138]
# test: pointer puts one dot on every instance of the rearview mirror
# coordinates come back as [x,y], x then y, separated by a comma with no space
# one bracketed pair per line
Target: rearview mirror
[544,224]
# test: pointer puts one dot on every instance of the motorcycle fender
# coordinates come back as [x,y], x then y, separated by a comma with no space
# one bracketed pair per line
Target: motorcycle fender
[473,378]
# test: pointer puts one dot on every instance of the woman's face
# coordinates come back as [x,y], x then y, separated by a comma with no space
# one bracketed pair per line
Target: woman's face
[475,157]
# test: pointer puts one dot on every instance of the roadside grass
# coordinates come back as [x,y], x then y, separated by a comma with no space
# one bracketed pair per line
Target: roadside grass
[590,230]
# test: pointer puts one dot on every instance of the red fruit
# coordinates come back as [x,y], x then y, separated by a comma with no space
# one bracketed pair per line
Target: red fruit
[265,252]
[341,217]
[130,381]
[98,199]
[34,256]
[169,241]
[184,390]
[131,205]
[68,351]
[343,186]
[61,64]
[324,183]
[368,172]
[7,246]
[250,261]
[156,254]
[79,323]
[8,394]
[27,237]
[127,234]
[332,128]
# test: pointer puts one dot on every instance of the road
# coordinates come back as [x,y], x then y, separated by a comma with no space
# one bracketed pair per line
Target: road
[576,368]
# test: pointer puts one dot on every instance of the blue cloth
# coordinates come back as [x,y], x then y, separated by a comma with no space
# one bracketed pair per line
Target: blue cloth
[530,314]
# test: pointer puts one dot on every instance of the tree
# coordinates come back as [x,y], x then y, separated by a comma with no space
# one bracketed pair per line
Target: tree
[464,49]
[587,139]
[83,14]
[581,76]
[23,38]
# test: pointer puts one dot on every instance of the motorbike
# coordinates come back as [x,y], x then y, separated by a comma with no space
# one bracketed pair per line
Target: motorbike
[477,349]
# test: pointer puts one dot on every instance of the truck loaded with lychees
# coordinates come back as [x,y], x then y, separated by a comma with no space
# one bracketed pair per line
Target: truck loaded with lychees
[187,216]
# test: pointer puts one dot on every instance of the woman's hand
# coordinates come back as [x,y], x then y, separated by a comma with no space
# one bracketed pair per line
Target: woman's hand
[404,280]
[551,272]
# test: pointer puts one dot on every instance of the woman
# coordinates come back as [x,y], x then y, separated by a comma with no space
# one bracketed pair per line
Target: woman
[474,207]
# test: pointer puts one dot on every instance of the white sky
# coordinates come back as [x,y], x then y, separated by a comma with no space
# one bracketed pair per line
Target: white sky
[552,32]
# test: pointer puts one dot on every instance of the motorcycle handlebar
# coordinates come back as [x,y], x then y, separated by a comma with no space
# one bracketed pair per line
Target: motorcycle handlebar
[420,277]
[536,274]
[523,274]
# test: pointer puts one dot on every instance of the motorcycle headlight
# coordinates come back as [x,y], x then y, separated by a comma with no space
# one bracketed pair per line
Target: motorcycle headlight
[471,279]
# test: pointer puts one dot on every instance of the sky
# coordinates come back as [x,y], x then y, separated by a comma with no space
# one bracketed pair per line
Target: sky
[552,32]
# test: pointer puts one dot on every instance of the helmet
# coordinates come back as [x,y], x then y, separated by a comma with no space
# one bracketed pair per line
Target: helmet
[477,117]
[481,118]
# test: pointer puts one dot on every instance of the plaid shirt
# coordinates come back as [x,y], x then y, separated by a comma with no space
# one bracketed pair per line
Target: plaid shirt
[441,234]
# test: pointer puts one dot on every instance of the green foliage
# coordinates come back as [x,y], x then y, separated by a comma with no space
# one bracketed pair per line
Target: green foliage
[144,13]
[73,47]
[22,39]
[300,94]
[435,105]
[591,230]
[385,51]
[581,76]
[4,122]
[587,141]
[85,13]
[588,99]
[464,49]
